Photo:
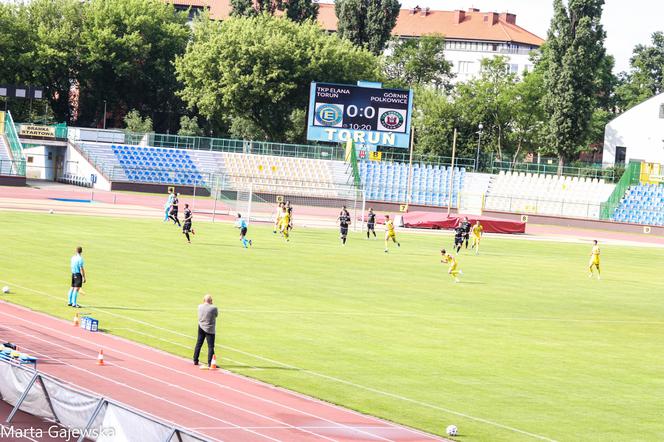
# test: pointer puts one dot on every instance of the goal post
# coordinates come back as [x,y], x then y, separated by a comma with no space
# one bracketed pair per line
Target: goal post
[314,203]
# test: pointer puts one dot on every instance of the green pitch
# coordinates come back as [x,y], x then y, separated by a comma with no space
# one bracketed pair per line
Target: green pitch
[525,347]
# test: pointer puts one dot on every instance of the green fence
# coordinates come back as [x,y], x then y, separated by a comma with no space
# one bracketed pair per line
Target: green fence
[590,171]
[629,178]
[313,151]
[14,145]
[404,157]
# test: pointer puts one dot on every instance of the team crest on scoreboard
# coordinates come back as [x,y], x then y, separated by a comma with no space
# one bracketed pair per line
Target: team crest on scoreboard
[329,115]
[393,120]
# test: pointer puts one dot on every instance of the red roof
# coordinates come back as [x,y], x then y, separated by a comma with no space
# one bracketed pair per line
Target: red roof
[454,25]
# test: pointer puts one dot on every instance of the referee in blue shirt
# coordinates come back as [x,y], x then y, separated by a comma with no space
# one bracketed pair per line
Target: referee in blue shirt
[77,277]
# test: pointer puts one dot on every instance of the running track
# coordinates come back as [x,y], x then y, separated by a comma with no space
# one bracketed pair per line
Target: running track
[217,404]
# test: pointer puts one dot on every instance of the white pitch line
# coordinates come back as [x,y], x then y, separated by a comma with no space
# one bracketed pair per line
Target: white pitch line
[262,399]
[332,378]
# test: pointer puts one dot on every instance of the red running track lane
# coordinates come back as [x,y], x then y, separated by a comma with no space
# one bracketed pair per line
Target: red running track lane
[218,404]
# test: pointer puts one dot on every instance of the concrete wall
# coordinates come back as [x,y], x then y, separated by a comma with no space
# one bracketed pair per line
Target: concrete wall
[41,162]
[640,130]
[77,164]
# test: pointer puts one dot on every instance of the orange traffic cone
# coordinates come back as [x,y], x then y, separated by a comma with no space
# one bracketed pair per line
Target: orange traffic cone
[213,364]
[77,321]
[100,358]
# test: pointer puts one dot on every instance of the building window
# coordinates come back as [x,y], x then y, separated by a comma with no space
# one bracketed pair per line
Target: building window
[661,110]
[464,67]
[514,68]
[494,48]
[621,153]
[31,159]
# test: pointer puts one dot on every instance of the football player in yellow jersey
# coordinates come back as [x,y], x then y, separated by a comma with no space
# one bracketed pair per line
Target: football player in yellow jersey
[453,265]
[476,232]
[284,222]
[594,260]
[389,232]
[277,217]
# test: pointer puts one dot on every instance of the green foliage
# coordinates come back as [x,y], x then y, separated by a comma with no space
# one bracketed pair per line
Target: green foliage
[189,127]
[260,68]
[419,62]
[242,8]
[137,124]
[367,23]
[296,10]
[127,49]
[574,54]
[301,10]
[646,77]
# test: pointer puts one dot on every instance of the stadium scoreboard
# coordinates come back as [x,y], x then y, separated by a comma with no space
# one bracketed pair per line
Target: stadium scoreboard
[366,115]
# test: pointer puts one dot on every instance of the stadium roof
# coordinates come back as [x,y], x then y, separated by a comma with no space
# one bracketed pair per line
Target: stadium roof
[472,24]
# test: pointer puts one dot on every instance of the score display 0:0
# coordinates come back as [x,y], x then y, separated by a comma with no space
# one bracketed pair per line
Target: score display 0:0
[365,112]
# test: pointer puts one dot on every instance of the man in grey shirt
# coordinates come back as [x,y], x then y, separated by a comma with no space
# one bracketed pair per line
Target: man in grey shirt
[207,319]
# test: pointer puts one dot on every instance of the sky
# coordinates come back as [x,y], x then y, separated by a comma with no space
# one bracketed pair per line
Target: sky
[626,22]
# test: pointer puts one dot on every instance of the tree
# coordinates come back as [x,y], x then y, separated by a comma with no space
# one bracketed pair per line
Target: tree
[127,53]
[55,55]
[189,127]
[646,77]
[242,8]
[137,124]
[419,62]
[573,53]
[489,100]
[301,10]
[296,10]
[367,23]
[260,68]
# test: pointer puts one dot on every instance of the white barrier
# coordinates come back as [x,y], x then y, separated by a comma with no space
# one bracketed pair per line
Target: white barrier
[83,414]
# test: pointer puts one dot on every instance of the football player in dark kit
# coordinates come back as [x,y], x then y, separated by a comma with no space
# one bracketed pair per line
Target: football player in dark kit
[465,225]
[371,223]
[459,233]
[344,220]
[186,228]
[174,209]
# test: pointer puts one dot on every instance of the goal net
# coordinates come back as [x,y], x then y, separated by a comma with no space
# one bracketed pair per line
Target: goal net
[315,204]
[471,203]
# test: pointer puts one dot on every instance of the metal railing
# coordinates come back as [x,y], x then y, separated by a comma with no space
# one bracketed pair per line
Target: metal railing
[12,167]
[542,206]
[14,145]
[590,171]
[404,157]
[629,178]
[314,151]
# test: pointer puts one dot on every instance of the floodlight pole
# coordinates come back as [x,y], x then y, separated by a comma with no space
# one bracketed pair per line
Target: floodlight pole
[479,142]
[451,189]
[104,114]
[410,167]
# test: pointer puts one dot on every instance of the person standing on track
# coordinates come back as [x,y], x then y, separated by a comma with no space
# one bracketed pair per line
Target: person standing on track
[174,209]
[344,220]
[371,223]
[77,277]
[207,322]
[186,227]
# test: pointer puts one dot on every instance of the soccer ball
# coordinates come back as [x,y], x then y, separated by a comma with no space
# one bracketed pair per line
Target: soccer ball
[5,289]
[50,211]
[451,430]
